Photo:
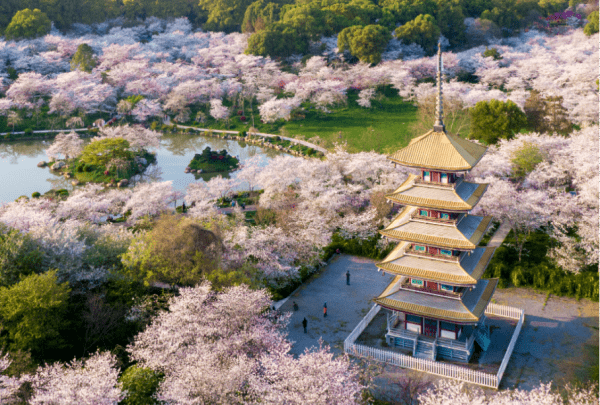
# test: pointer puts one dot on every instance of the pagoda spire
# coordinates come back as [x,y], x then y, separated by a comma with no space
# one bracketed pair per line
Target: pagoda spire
[439,109]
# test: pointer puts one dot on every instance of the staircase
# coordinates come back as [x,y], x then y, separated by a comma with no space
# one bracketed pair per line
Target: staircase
[424,350]
[482,337]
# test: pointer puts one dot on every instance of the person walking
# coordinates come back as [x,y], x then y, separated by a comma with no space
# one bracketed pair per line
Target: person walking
[295,306]
[348,277]
[305,323]
[183,208]
[325,310]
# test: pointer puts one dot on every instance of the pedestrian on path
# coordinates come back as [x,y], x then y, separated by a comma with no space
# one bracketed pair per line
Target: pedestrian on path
[183,208]
[348,277]
[325,310]
[295,306]
[304,323]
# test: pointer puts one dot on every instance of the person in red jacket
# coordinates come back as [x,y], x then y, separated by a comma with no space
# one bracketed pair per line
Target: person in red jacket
[325,310]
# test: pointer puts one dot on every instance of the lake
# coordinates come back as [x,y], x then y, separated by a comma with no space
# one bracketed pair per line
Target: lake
[21,176]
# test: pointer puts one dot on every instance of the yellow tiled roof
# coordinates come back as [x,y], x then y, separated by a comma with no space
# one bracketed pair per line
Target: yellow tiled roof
[439,203]
[458,242]
[427,311]
[440,151]
[462,314]
[463,276]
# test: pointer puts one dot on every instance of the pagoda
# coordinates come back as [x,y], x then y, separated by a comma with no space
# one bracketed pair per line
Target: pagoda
[437,300]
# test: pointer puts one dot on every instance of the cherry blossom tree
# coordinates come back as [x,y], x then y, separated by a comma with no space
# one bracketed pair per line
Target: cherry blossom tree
[150,199]
[523,210]
[145,109]
[69,145]
[8,385]
[364,97]
[138,137]
[281,379]
[217,110]
[90,382]
[207,343]
[447,392]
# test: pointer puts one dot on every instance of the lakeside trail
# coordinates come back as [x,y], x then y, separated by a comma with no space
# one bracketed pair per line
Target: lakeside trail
[298,141]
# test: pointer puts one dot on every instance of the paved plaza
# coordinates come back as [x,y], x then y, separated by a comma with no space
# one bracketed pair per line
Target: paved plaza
[558,342]
[346,304]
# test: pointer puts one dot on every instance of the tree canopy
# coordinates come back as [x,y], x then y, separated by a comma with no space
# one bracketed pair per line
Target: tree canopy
[28,24]
[365,43]
[32,312]
[175,251]
[83,58]
[99,153]
[592,26]
[493,120]
[422,31]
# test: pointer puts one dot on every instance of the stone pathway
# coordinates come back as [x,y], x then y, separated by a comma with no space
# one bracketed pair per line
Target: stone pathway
[499,235]
[294,140]
[346,304]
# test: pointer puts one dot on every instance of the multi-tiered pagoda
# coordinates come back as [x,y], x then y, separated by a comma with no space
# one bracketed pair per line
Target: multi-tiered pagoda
[437,300]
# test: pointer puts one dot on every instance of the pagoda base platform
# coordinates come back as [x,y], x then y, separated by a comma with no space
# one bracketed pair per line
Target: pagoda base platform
[429,348]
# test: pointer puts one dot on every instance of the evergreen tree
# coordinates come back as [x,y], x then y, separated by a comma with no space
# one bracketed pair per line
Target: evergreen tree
[28,24]
[493,120]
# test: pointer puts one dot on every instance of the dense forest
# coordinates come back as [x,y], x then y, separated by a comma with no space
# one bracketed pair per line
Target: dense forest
[284,27]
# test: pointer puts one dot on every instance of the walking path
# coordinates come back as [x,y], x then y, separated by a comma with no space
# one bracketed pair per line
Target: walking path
[499,236]
[46,131]
[293,140]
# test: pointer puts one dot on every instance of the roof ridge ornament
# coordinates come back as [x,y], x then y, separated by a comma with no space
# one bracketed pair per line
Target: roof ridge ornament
[439,109]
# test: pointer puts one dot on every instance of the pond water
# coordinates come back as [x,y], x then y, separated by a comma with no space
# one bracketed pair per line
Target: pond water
[19,174]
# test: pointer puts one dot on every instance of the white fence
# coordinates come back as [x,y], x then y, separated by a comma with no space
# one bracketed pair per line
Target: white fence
[435,367]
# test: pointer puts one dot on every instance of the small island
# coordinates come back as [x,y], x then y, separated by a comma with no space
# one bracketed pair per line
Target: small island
[210,162]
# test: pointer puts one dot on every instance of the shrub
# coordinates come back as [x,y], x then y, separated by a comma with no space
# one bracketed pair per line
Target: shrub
[28,131]
[35,194]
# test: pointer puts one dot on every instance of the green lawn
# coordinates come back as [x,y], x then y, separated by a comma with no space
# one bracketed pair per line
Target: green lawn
[384,127]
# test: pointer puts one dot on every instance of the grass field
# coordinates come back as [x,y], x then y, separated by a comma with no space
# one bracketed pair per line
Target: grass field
[385,127]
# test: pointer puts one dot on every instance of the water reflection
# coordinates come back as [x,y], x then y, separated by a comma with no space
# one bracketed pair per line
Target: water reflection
[21,176]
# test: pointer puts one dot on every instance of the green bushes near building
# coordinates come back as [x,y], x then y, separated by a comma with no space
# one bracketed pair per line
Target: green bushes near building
[538,271]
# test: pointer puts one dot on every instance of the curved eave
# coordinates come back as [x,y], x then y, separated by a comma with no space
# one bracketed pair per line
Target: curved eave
[422,310]
[427,274]
[431,167]
[435,241]
[467,316]
[465,205]
[465,279]
[429,203]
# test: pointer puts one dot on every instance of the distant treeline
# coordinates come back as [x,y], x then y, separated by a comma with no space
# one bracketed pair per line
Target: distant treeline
[284,26]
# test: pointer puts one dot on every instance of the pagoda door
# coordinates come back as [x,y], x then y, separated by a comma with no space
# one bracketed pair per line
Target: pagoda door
[430,327]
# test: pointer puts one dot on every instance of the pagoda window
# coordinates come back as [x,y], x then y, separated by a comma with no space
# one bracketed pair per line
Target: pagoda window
[414,323]
[434,251]
[420,248]
[448,330]
[444,215]
[445,287]
[426,176]
[434,214]
[432,286]
[423,213]
[435,177]
[416,282]
[446,252]
[445,178]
